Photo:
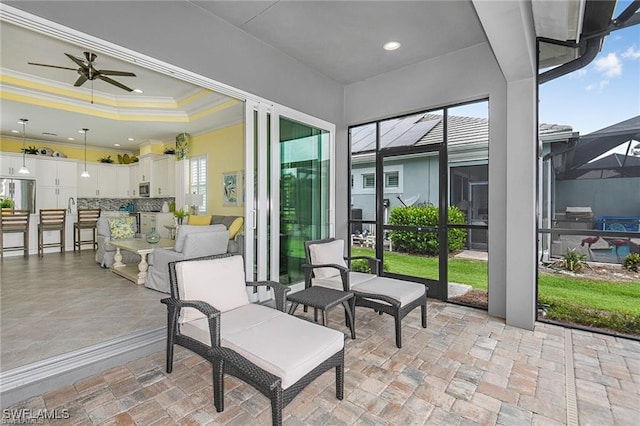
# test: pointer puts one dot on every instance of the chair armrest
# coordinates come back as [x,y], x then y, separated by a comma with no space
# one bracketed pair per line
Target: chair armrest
[374,263]
[162,257]
[279,290]
[263,378]
[344,273]
[213,315]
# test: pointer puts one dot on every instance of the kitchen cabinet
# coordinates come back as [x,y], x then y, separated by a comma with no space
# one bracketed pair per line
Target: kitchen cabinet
[56,182]
[149,220]
[11,163]
[134,179]
[144,169]
[163,174]
[105,181]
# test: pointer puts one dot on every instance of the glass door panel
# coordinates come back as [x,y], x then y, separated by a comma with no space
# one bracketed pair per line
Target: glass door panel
[304,193]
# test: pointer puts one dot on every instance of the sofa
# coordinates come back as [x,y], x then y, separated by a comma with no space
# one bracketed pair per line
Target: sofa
[106,252]
[191,242]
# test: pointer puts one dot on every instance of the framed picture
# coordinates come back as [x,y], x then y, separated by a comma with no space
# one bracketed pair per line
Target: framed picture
[230,188]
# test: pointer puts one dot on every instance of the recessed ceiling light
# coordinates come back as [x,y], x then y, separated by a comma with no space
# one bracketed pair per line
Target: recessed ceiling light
[15,131]
[138,90]
[71,139]
[130,139]
[81,131]
[392,45]
[116,144]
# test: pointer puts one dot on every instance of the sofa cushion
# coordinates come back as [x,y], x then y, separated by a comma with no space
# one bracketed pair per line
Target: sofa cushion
[281,344]
[122,227]
[199,220]
[184,230]
[222,220]
[195,282]
[327,253]
[235,226]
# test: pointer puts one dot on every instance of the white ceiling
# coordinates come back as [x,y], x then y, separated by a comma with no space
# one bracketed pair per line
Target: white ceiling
[339,39]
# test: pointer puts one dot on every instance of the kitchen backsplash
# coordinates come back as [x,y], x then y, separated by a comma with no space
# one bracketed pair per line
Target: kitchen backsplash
[110,204]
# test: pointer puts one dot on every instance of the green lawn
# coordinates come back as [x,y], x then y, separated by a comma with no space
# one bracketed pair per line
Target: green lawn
[610,305]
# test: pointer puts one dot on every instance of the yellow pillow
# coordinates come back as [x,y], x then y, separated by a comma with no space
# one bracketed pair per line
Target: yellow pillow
[199,220]
[235,226]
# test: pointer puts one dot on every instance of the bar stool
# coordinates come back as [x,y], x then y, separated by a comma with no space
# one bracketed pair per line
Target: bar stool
[14,221]
[51,220]
[87,219]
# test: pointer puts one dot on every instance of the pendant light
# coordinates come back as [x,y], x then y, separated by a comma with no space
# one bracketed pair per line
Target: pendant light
[23,170]
[85,172]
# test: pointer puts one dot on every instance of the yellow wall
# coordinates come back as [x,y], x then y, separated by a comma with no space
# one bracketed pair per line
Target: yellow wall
[225,153]
[9,145]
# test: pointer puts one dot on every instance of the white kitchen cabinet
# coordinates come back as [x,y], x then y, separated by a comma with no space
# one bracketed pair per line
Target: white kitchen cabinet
[147,222]
[105,181]
[88,186]
[134,179]
[56,182]
[10,164]
[122,181]
[145,169]
[163,175]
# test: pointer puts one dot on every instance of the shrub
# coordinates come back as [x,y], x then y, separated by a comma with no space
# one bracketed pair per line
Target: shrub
[362,265]
[573,260]
[425,242]
[632,262]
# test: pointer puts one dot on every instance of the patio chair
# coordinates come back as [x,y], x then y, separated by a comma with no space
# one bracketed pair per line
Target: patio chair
[278,354]
[326,266]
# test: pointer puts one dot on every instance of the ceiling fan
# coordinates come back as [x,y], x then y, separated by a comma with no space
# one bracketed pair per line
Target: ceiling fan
[88,72]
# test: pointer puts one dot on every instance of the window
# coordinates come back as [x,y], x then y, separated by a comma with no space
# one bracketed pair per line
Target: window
[369,180]
[198,179]
[391,180]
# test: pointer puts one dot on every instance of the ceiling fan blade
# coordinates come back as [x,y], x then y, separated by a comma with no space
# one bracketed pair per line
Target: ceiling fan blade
[121,73]
[80,63]
[80,81]
[51,66]
[115,83]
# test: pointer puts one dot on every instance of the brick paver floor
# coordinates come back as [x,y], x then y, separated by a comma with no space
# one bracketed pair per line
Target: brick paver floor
[465,368]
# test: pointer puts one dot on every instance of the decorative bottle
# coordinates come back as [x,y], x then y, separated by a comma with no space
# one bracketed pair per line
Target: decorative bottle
[153,237]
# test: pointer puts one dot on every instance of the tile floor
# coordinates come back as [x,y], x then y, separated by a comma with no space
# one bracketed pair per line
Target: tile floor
[466,368]
[58,303]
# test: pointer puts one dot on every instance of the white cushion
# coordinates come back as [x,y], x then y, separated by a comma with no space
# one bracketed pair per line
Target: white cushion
[403,291]
[184,230]
[286,346]
[327,253]
[231,322]
[219,282]
[336,282]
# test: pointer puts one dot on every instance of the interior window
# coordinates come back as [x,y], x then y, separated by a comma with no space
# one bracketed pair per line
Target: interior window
[198,179]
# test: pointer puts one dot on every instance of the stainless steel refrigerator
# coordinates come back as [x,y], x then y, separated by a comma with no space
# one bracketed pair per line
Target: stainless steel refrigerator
[21,191]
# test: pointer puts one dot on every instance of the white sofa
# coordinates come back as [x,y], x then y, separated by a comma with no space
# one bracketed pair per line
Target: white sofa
[191,242]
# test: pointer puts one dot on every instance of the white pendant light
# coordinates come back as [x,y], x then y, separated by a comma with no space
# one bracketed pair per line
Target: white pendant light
[23,170]
[85,172]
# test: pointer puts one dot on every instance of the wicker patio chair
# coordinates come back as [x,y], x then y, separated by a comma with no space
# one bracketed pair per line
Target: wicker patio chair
[326,266]
[276,353]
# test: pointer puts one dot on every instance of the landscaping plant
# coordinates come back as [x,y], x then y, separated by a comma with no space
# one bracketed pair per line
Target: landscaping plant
[632,262]
[573,260]
[425,242]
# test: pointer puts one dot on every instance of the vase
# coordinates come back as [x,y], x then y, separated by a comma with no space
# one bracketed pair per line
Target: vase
[153,237]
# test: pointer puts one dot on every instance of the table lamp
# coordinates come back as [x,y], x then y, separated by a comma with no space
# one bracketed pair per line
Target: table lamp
[194,201]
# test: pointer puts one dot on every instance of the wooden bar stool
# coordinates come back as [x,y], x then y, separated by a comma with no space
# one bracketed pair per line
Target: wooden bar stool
[87,219]
[14,221]
[51,220]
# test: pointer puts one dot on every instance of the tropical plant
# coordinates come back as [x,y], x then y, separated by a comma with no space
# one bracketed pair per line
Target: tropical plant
[30,150]
[106,159]
[6,203]
[425,242]
[573,260]
[632,262]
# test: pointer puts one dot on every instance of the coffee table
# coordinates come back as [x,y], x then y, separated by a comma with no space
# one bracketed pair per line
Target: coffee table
[136,273]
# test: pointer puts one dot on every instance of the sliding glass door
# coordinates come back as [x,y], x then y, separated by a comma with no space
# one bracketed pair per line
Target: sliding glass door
[289,192]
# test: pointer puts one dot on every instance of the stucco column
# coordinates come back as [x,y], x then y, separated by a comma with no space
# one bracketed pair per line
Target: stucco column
[521,203]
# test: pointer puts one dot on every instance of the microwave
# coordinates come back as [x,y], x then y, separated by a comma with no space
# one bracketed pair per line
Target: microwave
[144,189]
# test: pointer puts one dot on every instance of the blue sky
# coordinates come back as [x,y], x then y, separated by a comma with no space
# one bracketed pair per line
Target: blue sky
[604,92]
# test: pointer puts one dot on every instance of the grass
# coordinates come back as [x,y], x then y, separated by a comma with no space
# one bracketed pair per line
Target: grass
[603,304]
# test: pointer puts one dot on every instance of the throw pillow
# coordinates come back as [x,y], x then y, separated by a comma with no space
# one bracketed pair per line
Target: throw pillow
[235,226]
[219,282]
[199,220]
[327,253]
[122,227]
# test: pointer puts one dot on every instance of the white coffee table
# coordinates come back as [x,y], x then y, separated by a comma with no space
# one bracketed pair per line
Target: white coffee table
[136,273]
